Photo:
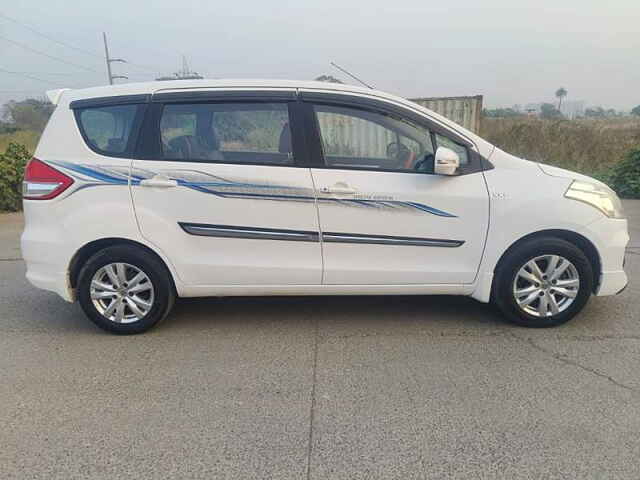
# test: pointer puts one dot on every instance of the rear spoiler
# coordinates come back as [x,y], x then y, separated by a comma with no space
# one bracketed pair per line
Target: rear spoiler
[55,95]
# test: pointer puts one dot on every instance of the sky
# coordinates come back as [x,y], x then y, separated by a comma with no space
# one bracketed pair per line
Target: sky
[512,52]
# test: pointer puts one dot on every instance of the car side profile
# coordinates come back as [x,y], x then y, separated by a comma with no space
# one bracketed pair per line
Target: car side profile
[141,193]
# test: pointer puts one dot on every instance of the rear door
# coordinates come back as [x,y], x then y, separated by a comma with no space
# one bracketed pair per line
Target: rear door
[218,186]
[385,217]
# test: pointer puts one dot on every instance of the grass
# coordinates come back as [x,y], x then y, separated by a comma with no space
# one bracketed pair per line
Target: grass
[587,146]
[28,138]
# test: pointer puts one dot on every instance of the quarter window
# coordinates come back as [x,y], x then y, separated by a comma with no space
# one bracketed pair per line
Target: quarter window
[227,132]
[354,138]
[107,129]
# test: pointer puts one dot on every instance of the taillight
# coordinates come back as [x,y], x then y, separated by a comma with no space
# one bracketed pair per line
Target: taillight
[43,182]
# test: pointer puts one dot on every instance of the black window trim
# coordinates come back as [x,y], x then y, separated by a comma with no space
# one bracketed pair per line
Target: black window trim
[110,101]
[144,138]
[476,164]
[132,140]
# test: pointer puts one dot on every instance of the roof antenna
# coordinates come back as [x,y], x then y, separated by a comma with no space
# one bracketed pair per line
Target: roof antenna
[351,75]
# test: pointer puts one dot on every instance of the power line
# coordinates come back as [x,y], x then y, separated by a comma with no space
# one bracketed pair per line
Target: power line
[28,48]
[81,50]
[25,75]
[43,35]
[149,68]
[66,74]
[20,91]
[31,77]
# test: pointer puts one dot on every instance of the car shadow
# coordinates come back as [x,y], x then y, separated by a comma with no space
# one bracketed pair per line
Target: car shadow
[355,311]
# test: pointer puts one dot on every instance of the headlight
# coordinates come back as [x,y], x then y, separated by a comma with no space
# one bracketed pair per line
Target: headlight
[601,197]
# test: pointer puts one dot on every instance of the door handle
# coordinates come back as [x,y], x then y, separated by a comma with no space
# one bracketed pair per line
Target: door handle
[159,181]
[339,188]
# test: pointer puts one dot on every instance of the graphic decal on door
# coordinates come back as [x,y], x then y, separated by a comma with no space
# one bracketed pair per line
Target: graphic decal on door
[102,175]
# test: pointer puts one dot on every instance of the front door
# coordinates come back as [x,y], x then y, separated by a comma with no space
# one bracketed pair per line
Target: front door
[385,217]
[221,193]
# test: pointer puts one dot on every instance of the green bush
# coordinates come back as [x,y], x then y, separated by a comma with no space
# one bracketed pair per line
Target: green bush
[12,163]
[624,177]
[584,145]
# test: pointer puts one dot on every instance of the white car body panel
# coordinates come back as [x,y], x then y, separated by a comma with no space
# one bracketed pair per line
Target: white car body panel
[520,206]
[493,210]
[462,213]
[203,260]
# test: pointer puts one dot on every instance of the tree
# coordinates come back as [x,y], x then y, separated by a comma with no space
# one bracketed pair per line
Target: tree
[548,110]
[636,111]
[29,114]
[595,112]
[560,94]
[12,163]
[328,78]
[599,112]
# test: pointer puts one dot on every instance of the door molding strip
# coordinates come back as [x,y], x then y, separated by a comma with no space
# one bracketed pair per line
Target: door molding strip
[232,231]
[334,237]
[259,233]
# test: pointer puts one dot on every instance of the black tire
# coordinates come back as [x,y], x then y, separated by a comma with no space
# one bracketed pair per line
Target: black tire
[156,271]
[502,292]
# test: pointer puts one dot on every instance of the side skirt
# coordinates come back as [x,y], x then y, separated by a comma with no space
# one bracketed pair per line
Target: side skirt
[297,290]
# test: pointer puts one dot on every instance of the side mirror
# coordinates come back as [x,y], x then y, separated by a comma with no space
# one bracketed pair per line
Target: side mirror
[446,162]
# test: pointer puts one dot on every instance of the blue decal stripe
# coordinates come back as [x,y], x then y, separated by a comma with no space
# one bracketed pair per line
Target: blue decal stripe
[429,209]
[206,187]
[92,173]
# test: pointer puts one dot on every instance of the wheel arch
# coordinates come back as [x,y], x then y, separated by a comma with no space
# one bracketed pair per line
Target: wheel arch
[88,250]
[580,241]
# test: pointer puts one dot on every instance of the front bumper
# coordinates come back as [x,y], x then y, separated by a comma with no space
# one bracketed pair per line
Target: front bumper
[610,237]
[612,283]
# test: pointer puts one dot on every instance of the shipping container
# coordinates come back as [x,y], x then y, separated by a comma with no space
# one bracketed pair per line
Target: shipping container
[465,111]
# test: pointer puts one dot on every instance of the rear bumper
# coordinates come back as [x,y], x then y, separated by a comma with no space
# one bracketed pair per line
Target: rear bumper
[45,267]
[46,250]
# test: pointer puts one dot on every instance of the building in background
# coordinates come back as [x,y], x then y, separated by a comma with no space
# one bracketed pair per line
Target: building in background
[573,109]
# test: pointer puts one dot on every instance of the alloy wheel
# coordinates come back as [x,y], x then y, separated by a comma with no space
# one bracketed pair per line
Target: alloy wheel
[122,292]
[546,285]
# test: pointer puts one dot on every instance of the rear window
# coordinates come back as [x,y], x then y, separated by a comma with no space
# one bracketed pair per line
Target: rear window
[107,129]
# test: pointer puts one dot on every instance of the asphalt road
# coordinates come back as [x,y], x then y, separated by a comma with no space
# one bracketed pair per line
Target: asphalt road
[322,388]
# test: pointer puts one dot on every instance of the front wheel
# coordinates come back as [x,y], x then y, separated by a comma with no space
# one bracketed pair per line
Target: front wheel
[125,289]
[543,282]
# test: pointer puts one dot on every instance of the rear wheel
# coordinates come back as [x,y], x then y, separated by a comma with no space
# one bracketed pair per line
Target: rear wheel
[125,289]
[543,282]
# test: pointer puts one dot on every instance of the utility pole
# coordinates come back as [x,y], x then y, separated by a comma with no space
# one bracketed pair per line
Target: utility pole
[110,60]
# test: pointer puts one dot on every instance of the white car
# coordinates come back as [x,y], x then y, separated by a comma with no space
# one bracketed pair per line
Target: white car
[142,193]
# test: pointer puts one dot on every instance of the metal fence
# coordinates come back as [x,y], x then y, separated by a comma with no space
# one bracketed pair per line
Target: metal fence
[465,111]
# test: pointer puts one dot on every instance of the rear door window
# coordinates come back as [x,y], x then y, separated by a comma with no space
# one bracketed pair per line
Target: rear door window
[256,133]
[108,129]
